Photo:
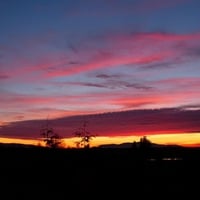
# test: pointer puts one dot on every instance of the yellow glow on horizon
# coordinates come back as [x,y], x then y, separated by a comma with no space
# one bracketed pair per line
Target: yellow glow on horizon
[71,142]
[184,139]
[20,141]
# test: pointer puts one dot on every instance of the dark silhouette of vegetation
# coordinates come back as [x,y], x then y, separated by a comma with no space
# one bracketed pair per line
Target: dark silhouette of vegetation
[84,135]
[144,147]
[134,145]
[98,169]
[51,139]
[144,143]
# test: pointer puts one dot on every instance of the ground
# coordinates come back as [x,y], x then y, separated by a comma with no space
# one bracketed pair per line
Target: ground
[87,172]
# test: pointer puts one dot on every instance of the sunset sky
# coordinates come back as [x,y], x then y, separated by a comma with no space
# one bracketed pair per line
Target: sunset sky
[127,67]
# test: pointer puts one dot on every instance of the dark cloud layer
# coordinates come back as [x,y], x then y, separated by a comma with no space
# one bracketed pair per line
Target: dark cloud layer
[133,122]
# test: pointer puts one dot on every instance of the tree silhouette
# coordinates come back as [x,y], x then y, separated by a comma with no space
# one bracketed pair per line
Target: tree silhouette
[51,139]
[144,143]
[85,136]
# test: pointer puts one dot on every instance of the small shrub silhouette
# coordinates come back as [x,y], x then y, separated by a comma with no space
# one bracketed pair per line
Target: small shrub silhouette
[85,136]
[51,139]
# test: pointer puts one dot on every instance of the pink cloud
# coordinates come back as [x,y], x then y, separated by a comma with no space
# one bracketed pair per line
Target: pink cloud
[10,98]
[3,76]
[164,93]
[95,64]
[137,49]
[116,50]
[170,37]
[158,98]
[190,82]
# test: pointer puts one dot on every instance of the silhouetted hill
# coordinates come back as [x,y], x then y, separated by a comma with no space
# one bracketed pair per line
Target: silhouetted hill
[17,145]
[130,145]
[37,170]
[122,145]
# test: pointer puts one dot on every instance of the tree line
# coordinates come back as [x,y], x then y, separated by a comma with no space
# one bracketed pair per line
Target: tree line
[54,140]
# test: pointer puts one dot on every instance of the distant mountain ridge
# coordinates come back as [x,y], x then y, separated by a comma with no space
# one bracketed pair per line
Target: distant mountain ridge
[130,145]
[111,145]
[16,145]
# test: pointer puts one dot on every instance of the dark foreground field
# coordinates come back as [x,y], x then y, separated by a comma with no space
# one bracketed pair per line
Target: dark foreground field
[58,173]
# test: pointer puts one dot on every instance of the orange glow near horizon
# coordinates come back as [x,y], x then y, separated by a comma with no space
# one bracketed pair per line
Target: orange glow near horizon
[20,141]
[185,139]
